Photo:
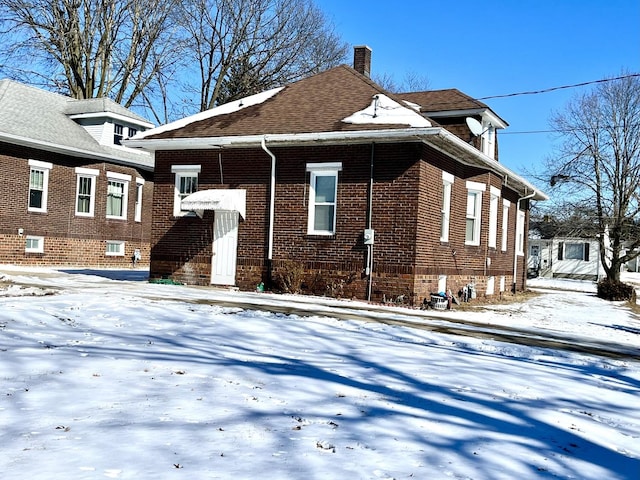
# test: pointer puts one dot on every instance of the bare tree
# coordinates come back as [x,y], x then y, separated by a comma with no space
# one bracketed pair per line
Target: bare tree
[242,47]
[156,54]
[598,164]
[89,48]
[411,82]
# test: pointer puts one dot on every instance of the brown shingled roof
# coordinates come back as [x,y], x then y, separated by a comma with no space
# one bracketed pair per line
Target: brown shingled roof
[442,100]
[314,104]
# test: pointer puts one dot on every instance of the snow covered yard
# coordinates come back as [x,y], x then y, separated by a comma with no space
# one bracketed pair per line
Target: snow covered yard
[102,378]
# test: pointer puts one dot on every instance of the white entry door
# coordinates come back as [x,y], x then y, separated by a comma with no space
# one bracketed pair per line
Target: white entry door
[225,247]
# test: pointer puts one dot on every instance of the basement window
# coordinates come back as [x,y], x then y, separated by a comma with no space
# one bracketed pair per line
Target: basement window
[115,248]
[34,244]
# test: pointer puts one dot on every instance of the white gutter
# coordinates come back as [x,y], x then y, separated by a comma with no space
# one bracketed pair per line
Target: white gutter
[515,245]
[282,139]
[79,152]
[272,196]
[428,135]
[489,163]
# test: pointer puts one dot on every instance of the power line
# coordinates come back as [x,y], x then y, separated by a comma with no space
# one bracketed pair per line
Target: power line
[546,90]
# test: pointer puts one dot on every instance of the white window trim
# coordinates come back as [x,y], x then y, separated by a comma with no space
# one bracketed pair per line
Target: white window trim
[506,205]
[125,180]
[520,233]
[494,201]
[318,170]
[45,167]
[488,142]
[182,171]
[139,191]
[325,166]
[447,186]
[92,173]
[39,248]
[119,243]
[477,189]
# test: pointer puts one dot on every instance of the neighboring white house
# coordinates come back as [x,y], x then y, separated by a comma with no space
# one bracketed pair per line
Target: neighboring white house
[569,257]
[565,257]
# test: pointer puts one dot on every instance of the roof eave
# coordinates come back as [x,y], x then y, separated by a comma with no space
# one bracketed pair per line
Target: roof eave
[111,115]
[457,148]
[286,139]
[495,120]
[73,152]
[437,137]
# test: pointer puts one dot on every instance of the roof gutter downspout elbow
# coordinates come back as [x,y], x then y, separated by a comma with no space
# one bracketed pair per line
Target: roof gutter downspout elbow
[515,246]
[272,196]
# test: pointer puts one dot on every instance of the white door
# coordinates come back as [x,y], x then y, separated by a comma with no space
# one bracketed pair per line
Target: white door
[225,247]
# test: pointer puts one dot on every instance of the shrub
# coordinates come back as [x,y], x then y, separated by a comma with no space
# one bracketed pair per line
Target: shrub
[615,291]
[289,276]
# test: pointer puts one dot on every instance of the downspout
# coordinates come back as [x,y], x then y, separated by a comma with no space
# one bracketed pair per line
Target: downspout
[272,201]
[515,245]
[369,262]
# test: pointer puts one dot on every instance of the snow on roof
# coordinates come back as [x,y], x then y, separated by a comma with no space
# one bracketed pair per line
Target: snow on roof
[384,110]
[224,109]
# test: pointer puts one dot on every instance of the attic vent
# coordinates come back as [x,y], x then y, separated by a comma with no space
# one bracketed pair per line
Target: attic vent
[362,60]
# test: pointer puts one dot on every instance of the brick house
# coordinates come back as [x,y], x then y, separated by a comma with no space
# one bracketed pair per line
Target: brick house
[339,183]
[71,193]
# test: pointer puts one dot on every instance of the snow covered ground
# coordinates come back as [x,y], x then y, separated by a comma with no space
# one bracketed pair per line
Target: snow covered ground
[118,378]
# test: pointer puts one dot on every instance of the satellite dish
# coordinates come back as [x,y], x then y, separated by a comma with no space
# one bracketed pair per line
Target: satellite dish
[474,125]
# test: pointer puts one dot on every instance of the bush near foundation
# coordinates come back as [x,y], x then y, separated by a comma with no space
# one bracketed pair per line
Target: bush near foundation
[615,291]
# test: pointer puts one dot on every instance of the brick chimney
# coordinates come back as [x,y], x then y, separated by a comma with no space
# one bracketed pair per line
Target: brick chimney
[362,60]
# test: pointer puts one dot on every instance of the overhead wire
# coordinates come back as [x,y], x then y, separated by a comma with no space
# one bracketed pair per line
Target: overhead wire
[536,92]
[546,90]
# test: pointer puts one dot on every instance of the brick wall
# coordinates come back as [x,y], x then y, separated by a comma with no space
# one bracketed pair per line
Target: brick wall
[68,239]
[408,254]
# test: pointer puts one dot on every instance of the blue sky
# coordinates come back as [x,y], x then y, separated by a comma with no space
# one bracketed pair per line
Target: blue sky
[497,48]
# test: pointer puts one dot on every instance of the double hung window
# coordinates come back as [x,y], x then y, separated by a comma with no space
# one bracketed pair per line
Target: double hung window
[117,189]
[506,204]
[474,212]
[494,200]
[447,185]
[323,191]
[520,232]
[86,191]
[186,183]
[139,188]
[118,134]
[38,185]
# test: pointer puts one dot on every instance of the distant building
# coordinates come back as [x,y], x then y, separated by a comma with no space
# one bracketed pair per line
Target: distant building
[72,194]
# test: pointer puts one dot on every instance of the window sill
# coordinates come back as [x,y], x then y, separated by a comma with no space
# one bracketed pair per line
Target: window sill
[321,236]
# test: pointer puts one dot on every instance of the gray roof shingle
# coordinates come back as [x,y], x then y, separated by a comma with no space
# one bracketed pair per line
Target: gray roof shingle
[38,118]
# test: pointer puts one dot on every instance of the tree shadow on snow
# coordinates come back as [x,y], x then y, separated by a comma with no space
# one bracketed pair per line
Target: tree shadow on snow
[120,275]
